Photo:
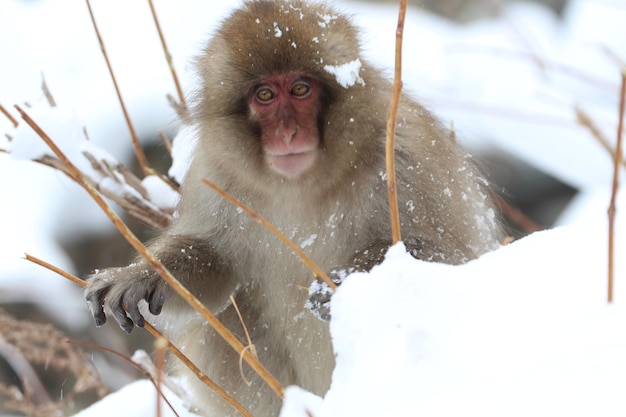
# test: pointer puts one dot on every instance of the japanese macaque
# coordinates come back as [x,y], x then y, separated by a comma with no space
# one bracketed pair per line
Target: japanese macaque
[291,120]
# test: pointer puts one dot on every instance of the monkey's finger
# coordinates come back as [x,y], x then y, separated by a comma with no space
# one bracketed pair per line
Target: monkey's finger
[135,316]
[95,303]
[122,319]
[118,307]
[130,299]
[156,299]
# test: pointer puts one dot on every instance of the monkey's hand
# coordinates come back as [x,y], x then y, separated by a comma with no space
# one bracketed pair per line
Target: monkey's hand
[118,291]
[320,293]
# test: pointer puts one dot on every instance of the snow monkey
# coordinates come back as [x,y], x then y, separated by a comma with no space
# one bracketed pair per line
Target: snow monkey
[291,120]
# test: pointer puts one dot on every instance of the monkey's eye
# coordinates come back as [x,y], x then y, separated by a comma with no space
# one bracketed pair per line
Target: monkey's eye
[264,94]
[300,89]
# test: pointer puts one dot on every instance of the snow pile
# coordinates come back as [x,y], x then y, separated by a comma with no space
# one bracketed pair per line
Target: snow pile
[125,403]
[525,330]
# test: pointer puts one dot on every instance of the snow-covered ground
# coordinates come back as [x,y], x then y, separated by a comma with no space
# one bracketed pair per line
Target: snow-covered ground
[525,330]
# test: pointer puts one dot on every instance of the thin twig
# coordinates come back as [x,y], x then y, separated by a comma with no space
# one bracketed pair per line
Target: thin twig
[243,324]
[129,360]
[585,120]
[502,53]
[159,362]
[158,267]
[154,332]
[181,111]
[46,92]
[24,370]
[391,130]
[308,262]
[9,116]
[141,157]
[493,110]
[166,141]
[168,57]
[616,169]
[138,208]
[515,215]
[55,269]
[164,178]
[250,346]
[612,55]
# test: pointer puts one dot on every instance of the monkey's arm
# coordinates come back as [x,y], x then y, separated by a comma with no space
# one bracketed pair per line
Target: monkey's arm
[194,262]
[320,293]
[364,260]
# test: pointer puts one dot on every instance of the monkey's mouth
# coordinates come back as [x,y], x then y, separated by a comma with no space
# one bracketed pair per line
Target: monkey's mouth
[291,165]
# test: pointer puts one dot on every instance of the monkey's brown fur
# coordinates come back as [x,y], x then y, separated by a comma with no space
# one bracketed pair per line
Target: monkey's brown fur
[337,211]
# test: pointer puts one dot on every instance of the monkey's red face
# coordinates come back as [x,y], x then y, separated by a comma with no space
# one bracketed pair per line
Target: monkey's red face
[286,109]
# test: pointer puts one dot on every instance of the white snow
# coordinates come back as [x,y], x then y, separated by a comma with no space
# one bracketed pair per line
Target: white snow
[182,151]
[525,330]
[347,74]
[160,193]
[61,125]
[135,400]
[277,32]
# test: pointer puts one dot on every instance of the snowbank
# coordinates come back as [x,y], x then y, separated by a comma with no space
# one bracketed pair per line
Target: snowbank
[525,330]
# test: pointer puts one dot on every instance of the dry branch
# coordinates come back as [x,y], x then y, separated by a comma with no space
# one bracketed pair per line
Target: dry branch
[308,262]
[515,215]
[155,263]
[585,120]
[182,106]
[164,178]
[152,260]
[24,370]
[166,141]
[9,116]
[137,366]
[616,169]
[391,130]
[141,157]
[34,350]
[46,92]
[154,332]
[140,208]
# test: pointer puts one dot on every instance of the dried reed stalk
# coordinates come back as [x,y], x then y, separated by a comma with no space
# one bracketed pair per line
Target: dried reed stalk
[308,262]
[135,206]
[155,263]
[138,366]
[9,116]
[391,130]
[154,332]
[166,141]
[170,62]
[585,120]
[515,215]
[141,157]
[616,168]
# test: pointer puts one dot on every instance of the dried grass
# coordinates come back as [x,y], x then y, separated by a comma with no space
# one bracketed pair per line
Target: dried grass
[36,351]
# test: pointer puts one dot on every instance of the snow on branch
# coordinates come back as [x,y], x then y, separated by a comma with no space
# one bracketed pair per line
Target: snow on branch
[150,200]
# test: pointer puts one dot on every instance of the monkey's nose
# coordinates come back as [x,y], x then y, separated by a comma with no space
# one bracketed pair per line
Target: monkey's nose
[286,133]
